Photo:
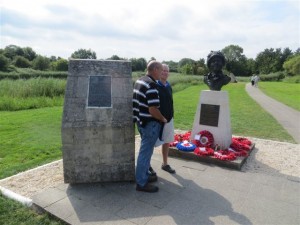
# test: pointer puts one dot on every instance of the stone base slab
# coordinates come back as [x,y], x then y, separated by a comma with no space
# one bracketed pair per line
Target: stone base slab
[235,164]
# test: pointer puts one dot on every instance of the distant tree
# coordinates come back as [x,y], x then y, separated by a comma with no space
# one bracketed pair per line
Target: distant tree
[53,58]
[199,67]
[84,54]
[4,62]
[173,66]
[271,60]
[41,63]
[297,52]
[12,51]
[251,67]
[60,65]
[139,64]
[292,65]
[29,53]
[235,60]
[187,69]
[115,57]
[21,62]
[185,61]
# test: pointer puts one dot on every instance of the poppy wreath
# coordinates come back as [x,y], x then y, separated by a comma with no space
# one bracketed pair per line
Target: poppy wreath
[242,140]
[225,155]
[242,153]
[204,151]
[186,146]
[180,138]
[239,146]
[206,139]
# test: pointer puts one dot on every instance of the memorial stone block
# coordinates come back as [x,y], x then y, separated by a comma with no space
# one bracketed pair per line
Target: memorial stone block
[97,128]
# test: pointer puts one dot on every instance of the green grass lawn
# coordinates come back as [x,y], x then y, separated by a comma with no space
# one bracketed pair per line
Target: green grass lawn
[29,138]
[13,213]
[287,93]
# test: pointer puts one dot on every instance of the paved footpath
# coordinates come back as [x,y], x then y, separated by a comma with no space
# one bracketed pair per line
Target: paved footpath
[197,194]
[288,118]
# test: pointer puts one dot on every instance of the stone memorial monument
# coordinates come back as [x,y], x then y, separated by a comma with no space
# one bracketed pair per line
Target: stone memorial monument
[213,112]
[97,129]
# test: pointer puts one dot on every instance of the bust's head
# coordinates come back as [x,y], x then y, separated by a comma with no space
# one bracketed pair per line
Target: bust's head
[215,61]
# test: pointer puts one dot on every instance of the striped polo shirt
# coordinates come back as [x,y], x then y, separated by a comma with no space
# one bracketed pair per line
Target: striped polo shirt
[145,95]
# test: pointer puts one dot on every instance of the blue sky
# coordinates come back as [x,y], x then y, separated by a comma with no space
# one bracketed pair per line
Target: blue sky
[166,30]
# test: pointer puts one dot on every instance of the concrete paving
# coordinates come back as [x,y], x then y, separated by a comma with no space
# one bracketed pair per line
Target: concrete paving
[288,118]
[198,193]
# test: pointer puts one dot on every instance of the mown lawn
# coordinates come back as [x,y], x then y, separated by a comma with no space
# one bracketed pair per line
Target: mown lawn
[29,138]
[287,93]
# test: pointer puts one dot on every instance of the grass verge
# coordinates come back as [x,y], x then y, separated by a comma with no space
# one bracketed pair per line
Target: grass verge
[286,93]
[14,213]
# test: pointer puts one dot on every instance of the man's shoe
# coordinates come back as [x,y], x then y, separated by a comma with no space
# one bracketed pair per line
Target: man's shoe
[147,188]
[152,178]
[151,171]
[167,168]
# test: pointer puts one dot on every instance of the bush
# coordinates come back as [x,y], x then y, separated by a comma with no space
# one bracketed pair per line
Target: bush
[278,76]
[22,62]
[41,63]
[27,73]
[4,62]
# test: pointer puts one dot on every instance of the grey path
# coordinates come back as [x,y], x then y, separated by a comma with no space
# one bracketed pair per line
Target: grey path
[289,118]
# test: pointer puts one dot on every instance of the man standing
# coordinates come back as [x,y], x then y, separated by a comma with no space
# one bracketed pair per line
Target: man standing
[149,121]
[167,110]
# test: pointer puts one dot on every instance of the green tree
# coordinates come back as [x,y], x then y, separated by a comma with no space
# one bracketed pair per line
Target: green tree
[185,61]
[187,69]
[173,66]
[60,65]
[199,67]
[12,51]
[115,57]
[235,60]
[4,62]
[84,54]
[139,64]
[21,62]
[41,63]
[251,67]
[29,53]
[272,60]
[292,65]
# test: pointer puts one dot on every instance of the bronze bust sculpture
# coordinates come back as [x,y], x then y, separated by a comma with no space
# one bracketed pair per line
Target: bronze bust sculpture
[215,79]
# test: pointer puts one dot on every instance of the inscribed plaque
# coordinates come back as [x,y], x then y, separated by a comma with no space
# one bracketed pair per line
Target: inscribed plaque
[99,91]
[209,115]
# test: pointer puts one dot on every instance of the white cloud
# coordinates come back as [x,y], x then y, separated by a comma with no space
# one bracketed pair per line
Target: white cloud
[166,30]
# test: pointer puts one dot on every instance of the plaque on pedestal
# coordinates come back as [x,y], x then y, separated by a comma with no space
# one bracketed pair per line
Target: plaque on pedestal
[213,115]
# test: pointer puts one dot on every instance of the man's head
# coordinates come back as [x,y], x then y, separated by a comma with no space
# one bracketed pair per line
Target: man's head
[165,74]
[155,69]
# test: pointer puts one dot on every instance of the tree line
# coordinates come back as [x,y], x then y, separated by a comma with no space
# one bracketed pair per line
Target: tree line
[268,61]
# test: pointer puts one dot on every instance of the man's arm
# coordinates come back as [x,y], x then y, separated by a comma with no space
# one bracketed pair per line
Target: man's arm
[156,114]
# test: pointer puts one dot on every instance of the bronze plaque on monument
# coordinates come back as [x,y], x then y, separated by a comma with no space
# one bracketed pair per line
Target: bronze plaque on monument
[209,115]
[99,91]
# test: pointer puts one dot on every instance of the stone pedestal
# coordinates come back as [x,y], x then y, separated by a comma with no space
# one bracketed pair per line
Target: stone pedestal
[97,128]
[213,115]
